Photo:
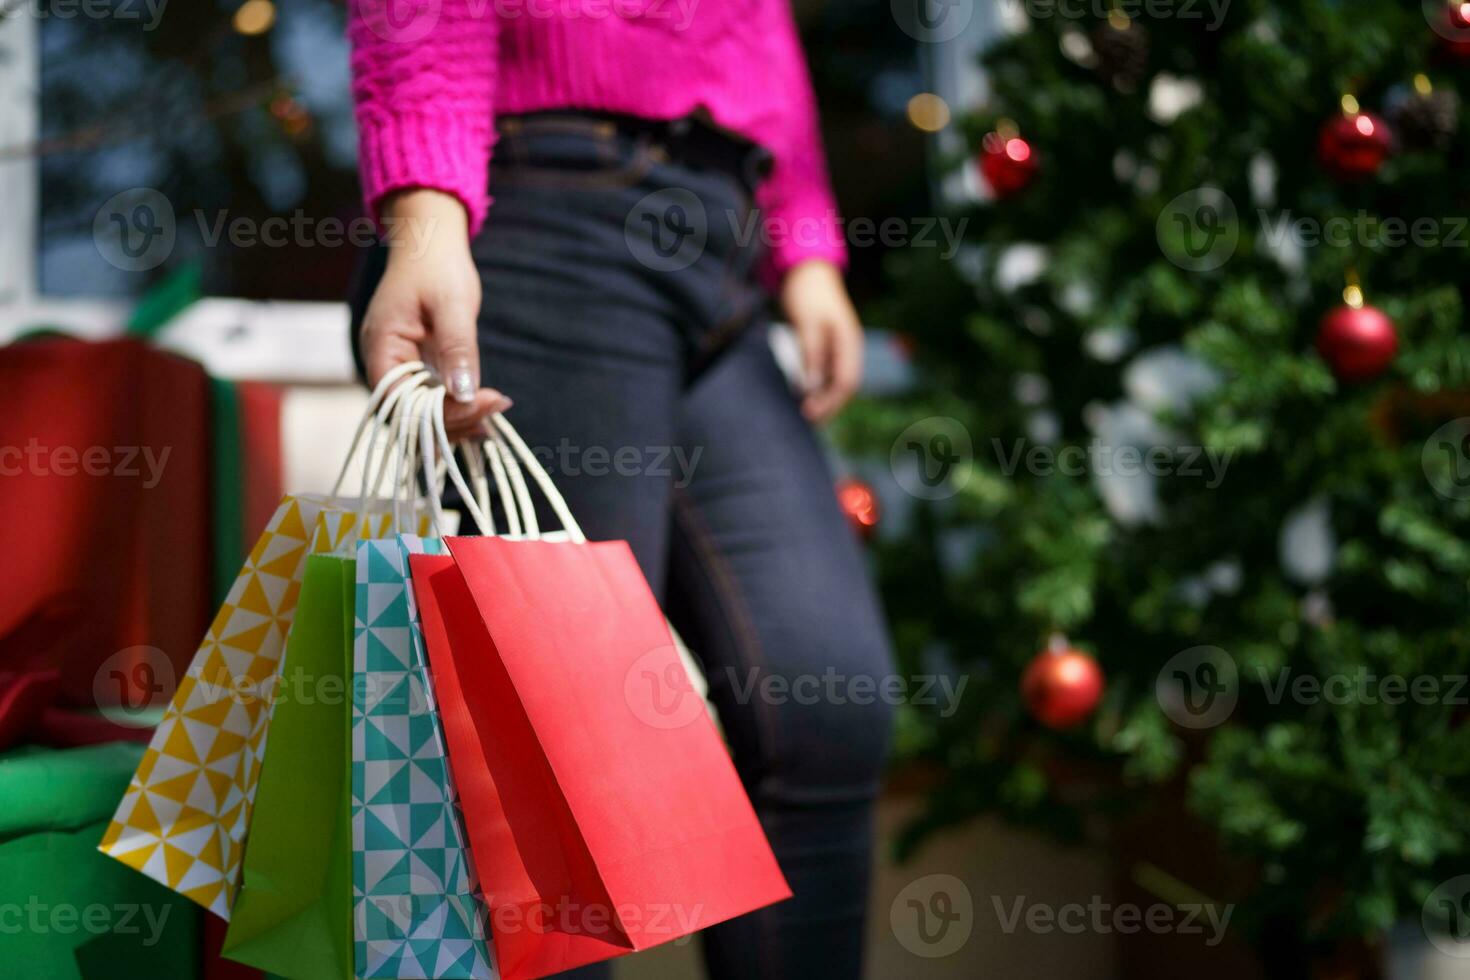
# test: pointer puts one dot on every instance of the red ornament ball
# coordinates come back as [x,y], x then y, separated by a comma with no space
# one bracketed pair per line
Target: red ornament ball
[1061,687]
[860,504]
[1357,342]
[1454,31]
[1007,162]
[1353,145]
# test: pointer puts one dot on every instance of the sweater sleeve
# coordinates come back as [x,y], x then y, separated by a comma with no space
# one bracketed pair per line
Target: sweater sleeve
[797,200]
[423,85]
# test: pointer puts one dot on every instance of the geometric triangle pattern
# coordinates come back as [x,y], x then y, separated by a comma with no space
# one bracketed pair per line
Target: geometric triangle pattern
[416,911]
[184,817]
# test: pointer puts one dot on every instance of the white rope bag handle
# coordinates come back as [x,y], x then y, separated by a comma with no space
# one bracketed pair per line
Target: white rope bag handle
[373,414]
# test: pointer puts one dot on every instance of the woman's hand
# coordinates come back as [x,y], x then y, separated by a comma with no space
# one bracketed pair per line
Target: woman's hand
[426,305]
[831,338]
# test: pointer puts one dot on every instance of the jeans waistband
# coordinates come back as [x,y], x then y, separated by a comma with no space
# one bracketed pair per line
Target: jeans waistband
[693,140]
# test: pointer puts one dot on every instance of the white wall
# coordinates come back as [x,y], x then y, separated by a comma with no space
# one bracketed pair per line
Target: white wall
[19,115]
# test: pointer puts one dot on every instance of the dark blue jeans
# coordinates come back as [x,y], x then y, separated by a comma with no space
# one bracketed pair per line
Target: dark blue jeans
[622,315]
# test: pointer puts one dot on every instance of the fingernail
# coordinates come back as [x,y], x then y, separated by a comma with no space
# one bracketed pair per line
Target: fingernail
[461,385]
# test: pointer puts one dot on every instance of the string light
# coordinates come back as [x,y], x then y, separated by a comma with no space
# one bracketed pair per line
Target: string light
[255,17]
[928,112]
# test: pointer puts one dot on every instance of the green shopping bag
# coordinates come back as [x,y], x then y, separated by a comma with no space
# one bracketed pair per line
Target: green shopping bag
[293,915]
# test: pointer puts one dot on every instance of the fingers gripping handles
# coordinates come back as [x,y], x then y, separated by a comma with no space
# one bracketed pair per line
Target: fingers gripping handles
[402,432]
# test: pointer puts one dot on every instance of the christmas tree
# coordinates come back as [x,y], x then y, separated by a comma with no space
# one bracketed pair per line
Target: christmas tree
[1189,451]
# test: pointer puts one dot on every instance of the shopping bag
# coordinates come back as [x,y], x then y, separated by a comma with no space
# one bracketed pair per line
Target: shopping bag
[595,830]
[292,916]
[182,820]
[185,814]
[415,911]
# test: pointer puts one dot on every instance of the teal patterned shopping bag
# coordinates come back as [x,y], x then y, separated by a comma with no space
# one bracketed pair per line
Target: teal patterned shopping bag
[416,913]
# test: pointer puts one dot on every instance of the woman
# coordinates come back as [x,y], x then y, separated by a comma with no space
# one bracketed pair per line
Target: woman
[655,162]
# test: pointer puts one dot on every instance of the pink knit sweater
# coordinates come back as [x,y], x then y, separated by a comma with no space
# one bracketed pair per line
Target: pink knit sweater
[429,78]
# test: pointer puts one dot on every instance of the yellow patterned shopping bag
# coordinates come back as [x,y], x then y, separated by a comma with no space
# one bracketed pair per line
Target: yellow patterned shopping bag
[184,817]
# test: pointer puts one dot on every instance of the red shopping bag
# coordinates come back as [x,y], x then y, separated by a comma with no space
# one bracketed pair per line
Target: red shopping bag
[596,830]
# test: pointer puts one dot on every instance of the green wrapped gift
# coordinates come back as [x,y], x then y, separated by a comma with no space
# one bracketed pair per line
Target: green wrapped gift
[66,910]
